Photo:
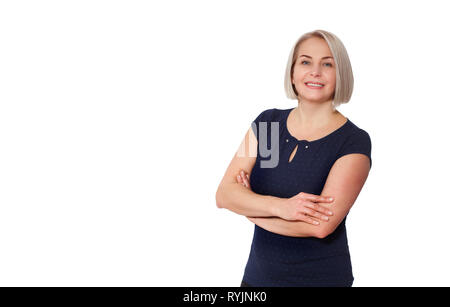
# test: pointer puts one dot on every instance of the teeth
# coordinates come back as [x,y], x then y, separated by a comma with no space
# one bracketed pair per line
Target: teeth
[312,84]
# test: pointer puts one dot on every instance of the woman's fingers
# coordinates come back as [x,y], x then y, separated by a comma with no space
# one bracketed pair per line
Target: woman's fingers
[246,180]
[239,179]
[243,178]
[315,214]
[316,198]
[310,220]
[318,208]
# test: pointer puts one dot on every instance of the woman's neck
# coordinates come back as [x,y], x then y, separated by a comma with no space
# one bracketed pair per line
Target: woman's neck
[312,116]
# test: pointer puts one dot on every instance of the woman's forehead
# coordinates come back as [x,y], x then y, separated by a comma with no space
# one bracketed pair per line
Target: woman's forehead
[323,58]
[314,49]
[314,43]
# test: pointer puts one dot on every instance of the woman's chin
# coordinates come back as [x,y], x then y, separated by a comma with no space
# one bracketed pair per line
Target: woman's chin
[316,98]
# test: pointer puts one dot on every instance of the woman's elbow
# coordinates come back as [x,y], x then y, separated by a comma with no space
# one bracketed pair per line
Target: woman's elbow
[321,232]
[218,200]
[220,203]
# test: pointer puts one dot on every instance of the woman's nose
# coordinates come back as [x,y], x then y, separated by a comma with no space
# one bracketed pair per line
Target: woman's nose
[315,72]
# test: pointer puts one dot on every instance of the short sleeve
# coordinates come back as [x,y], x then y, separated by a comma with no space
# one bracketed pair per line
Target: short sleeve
[358,142]
[264,116]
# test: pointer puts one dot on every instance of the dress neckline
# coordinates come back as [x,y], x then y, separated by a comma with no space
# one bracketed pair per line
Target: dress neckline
[347,122]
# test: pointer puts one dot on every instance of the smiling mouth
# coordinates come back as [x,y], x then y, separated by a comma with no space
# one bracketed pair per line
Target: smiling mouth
[314,85]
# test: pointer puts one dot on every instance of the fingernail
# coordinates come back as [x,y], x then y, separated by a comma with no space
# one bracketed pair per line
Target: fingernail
[326,218]
[330,198]
[316,223]
[239,177]
[330,213]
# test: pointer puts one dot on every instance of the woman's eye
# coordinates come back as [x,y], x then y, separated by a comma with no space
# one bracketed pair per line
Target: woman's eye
[330,65]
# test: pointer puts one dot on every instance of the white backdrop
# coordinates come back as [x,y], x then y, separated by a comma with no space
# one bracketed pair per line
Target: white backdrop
[119,118]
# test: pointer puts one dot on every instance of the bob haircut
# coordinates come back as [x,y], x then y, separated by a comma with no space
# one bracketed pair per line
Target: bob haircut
[344,74]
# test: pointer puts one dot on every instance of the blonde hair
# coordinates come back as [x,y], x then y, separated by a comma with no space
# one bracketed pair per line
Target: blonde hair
[344,74]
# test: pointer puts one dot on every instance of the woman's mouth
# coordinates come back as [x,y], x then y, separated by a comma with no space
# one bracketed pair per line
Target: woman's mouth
[314,85]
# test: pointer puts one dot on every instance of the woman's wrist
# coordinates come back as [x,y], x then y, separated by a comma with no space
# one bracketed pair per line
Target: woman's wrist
[275,204]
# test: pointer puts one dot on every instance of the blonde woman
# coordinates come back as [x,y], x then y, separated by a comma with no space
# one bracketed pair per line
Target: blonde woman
[302,172]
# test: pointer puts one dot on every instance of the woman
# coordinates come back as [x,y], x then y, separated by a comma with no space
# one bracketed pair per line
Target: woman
[316,153]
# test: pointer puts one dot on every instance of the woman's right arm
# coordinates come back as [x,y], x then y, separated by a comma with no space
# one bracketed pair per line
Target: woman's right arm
[233,195]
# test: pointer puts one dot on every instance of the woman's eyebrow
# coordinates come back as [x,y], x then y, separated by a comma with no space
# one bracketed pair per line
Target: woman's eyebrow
[325,57]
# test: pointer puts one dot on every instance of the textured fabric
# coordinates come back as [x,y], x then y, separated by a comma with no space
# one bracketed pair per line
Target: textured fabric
[278,260]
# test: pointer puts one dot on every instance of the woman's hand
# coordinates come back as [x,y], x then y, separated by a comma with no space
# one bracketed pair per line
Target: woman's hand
[301,207]
[243,179]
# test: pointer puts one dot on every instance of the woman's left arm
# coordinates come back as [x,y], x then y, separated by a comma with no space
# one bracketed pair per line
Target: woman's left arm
[344,183]
[286,228]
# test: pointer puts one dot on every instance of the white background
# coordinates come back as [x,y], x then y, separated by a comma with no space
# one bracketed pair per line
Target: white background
[119,118]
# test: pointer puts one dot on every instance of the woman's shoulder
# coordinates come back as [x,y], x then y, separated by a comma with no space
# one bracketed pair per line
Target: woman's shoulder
[356,140]
[265,115]
[355,131]
[271,115]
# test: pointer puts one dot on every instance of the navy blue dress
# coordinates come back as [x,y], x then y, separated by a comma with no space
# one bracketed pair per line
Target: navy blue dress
[283,261]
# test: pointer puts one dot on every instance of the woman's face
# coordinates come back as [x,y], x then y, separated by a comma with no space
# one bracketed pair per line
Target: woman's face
[315,64]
